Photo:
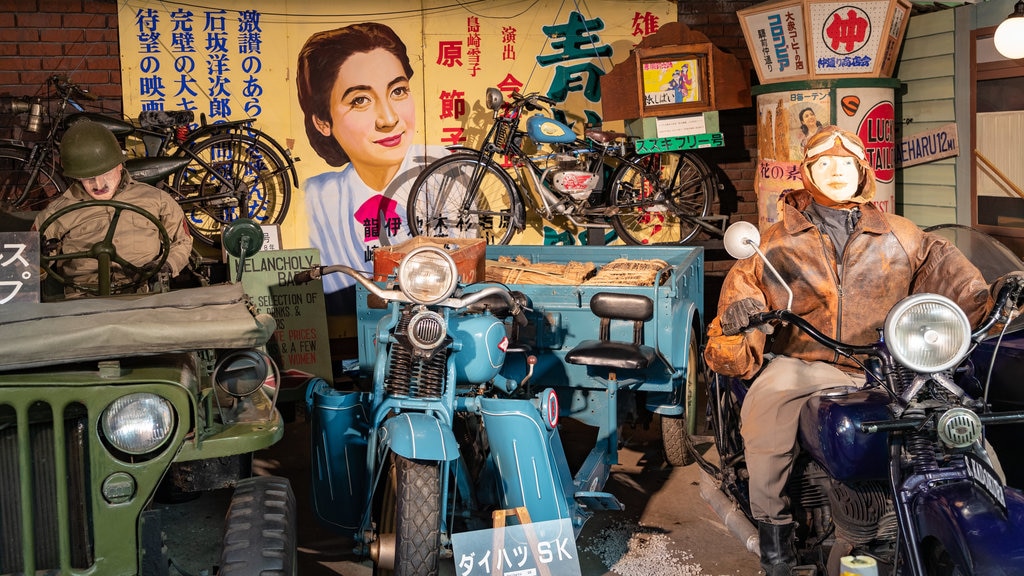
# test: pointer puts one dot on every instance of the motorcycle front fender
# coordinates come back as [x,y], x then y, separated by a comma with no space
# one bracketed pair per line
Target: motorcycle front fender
[531,463]
[418,436]
[972,528]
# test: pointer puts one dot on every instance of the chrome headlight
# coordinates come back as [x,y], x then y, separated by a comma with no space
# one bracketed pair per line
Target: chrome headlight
[242,373]
[138,423]
[427,275]
[927,333]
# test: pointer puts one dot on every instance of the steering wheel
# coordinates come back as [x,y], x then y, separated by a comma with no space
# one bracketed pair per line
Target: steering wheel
[105,252]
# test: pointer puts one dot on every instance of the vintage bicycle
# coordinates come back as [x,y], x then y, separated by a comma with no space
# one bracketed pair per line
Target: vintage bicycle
[657,198]
[216,172]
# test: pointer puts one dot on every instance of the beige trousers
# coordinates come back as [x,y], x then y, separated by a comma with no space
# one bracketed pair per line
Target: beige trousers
[770,416]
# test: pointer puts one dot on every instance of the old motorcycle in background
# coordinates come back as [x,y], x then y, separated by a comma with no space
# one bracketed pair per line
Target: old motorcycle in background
[216,172]
[468,384]
[657,198]
[895,473]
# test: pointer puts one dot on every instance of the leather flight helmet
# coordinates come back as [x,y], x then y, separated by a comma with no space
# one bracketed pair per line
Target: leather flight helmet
[88,149]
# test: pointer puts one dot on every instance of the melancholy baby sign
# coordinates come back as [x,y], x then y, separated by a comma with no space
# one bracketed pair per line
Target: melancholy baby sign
[300,342]
[534,549]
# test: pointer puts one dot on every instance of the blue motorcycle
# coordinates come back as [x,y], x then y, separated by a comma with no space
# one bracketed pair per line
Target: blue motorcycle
[896,474]
[467,386]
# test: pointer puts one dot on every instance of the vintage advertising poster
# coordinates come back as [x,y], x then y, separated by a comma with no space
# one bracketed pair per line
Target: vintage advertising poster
[671,82]
[847,36]
[327,80]
[777,41]
[869,113]
[786,119]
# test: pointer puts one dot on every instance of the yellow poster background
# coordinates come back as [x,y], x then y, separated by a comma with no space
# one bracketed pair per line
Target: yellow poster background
[246,54]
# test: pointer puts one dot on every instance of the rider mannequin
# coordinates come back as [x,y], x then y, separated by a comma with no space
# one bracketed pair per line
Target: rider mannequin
[92,157]
[847,263]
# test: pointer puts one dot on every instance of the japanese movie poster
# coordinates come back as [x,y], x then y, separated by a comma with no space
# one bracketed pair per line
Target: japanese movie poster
[364,96]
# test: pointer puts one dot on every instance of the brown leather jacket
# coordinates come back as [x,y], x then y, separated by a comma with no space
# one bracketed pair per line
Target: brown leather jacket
[887,258]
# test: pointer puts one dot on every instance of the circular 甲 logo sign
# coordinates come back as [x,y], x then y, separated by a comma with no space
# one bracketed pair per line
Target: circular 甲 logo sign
[846,30]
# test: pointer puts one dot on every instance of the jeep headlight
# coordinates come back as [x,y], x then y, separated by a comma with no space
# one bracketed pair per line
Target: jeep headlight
[427,275]
[927,333]
[138,423]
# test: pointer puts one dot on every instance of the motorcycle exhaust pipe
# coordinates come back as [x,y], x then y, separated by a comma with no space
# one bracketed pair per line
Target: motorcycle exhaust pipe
[731,515]
[382,551]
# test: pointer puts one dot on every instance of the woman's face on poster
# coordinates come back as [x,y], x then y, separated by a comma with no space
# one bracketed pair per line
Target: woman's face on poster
[373,115]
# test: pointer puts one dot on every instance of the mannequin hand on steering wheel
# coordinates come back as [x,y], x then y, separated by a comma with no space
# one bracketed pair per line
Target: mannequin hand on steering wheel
[115,274]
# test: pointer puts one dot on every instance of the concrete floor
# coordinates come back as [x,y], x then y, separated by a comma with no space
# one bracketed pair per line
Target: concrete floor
[666,529]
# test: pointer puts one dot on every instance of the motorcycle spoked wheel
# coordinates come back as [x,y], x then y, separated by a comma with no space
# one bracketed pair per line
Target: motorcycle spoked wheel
[408,513]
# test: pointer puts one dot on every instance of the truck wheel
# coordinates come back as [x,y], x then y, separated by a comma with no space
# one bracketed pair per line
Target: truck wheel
[260,529]
[676,430]
[676,441]
[413,511]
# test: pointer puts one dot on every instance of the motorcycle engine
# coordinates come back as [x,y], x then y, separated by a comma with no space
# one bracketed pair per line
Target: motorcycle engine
[568,174]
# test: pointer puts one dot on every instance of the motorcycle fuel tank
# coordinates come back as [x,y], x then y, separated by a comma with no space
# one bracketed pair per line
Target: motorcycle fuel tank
[830,433]
[484,342]
[548,130]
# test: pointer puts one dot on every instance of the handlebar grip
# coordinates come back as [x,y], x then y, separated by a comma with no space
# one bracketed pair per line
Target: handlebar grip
[304,277]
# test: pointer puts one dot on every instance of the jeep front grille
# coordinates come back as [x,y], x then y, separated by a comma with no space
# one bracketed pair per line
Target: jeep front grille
[45,517]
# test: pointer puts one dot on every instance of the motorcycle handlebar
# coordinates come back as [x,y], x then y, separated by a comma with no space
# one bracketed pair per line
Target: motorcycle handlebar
[906,424]
[66,87]
[318,272]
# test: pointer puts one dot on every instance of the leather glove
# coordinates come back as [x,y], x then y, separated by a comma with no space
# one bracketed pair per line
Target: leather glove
[1016,277]
[737,316]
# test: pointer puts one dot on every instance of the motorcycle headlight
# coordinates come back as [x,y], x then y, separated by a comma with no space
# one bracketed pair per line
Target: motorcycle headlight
[927,333]
[427,275]
[138,423]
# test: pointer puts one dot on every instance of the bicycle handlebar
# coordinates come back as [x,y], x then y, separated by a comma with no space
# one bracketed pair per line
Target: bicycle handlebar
[67,88]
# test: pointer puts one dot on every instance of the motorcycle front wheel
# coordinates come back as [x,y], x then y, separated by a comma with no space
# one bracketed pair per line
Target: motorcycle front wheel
[409,518]
[463,196]
[17,194]
[231,176]
[658,197]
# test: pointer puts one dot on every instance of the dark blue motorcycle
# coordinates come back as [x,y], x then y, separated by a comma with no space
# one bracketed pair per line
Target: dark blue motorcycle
[897,473]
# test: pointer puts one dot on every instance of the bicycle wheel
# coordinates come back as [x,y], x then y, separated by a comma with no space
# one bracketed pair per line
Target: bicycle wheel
[231,176]
[460,196]
[14,178]
[662,211]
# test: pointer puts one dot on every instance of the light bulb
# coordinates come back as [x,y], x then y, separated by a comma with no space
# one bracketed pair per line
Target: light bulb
[1009,36]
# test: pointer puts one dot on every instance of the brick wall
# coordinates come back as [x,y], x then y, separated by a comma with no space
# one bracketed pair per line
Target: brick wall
[39,38]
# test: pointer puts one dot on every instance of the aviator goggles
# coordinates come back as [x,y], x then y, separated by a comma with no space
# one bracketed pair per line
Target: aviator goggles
[838,142]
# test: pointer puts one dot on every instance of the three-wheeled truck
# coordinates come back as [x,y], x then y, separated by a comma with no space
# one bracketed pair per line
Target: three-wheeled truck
[106,401]
[467,384]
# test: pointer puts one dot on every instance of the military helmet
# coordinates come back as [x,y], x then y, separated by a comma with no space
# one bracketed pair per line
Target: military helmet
[88,149]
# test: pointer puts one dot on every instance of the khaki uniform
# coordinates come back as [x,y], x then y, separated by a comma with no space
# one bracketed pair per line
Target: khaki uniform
[136,238]
[886,258]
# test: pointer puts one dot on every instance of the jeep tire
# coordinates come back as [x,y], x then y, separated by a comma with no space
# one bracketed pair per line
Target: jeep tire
[260,529]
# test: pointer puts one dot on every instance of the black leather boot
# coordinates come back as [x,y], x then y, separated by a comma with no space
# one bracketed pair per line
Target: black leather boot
[778,553]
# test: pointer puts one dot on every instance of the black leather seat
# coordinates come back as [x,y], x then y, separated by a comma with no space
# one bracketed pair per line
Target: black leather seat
[612,354]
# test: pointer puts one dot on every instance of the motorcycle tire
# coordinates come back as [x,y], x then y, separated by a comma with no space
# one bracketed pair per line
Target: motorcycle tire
[662,212]
[260,529]
[409,514]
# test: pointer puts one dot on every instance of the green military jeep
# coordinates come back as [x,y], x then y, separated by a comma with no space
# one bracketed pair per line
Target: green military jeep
[104,402]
